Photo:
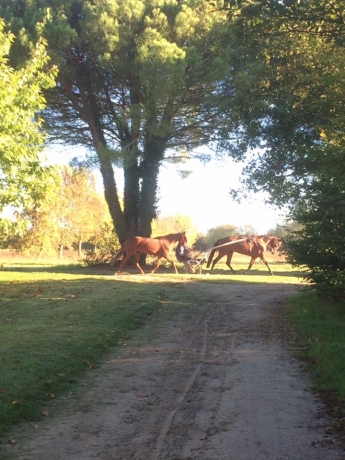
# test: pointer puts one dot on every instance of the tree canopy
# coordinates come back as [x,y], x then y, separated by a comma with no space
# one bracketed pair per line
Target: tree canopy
[293,119]
[289,93]
[139,83]
[21,138]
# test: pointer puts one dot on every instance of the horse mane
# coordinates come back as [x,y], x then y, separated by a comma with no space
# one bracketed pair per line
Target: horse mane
[162,237]
[168,235]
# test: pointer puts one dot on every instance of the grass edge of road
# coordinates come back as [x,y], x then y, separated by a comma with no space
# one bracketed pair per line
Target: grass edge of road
[317,328]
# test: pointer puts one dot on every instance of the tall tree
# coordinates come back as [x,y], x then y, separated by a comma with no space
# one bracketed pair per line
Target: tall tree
[21,138]
[289,92]
[138,82]
[43,233]
[292,92]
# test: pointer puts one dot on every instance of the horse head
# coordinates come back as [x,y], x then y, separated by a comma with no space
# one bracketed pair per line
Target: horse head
[274,244]
[183,239]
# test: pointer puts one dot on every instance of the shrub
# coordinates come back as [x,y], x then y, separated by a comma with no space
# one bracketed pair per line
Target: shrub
[104,246]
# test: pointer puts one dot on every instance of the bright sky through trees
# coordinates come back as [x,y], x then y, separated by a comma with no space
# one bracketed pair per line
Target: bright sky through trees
[203,195]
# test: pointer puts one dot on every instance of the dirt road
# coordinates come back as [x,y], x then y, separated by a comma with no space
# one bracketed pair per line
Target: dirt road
[216,383]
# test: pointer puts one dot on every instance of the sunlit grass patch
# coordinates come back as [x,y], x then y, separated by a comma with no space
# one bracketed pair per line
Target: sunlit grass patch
[321,330]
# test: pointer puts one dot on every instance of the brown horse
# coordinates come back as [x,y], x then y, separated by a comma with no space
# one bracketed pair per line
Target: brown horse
[253,247]
[159,247]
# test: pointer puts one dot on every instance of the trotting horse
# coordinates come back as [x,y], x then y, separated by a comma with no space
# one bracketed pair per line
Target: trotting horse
[159,247]
[253,247]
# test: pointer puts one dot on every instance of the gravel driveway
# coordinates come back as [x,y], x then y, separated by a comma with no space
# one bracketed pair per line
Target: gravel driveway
[215,383]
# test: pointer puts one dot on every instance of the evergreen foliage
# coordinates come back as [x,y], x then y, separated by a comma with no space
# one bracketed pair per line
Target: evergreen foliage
[138,83]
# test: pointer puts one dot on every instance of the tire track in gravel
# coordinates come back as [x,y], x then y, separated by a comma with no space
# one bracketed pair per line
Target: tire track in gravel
[168,421]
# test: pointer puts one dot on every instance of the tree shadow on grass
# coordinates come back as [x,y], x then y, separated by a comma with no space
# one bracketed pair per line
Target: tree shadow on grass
[131,269]
[257,272]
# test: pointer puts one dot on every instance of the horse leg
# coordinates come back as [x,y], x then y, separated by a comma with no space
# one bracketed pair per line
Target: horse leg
[123,261]
[214,261]
[169,259]
[157,264]
[266,263]
[228,261]
[253,259]
[127,256]
[209,257]
[136,260]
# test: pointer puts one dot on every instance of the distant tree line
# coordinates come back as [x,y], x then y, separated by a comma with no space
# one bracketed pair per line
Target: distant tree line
[70,214]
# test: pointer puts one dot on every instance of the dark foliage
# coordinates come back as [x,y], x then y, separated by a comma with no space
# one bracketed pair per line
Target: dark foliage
[319,245]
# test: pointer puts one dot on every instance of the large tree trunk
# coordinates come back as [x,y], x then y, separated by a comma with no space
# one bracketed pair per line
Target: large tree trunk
[131,200]
[107,171]
[112,197]
[89,112]
[131,167]
[149,173]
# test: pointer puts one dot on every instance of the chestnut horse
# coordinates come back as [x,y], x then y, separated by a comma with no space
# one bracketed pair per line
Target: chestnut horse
[253,247]
[159,247]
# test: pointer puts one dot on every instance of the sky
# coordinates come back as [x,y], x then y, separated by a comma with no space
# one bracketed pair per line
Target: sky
[203,195]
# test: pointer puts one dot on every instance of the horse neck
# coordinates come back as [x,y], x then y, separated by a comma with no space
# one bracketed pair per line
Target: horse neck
[258,241]
[172,238]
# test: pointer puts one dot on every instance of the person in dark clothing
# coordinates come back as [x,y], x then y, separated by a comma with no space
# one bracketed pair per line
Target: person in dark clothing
[181,253]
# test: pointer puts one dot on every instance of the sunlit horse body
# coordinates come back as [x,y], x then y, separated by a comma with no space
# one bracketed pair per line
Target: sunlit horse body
[159,247]
[253,247]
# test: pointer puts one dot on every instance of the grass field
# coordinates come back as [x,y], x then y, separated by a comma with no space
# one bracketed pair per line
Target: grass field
[320,327]
[57,321]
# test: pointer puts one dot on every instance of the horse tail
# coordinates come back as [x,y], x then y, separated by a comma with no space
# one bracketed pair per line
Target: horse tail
[210,256]
[119,253]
